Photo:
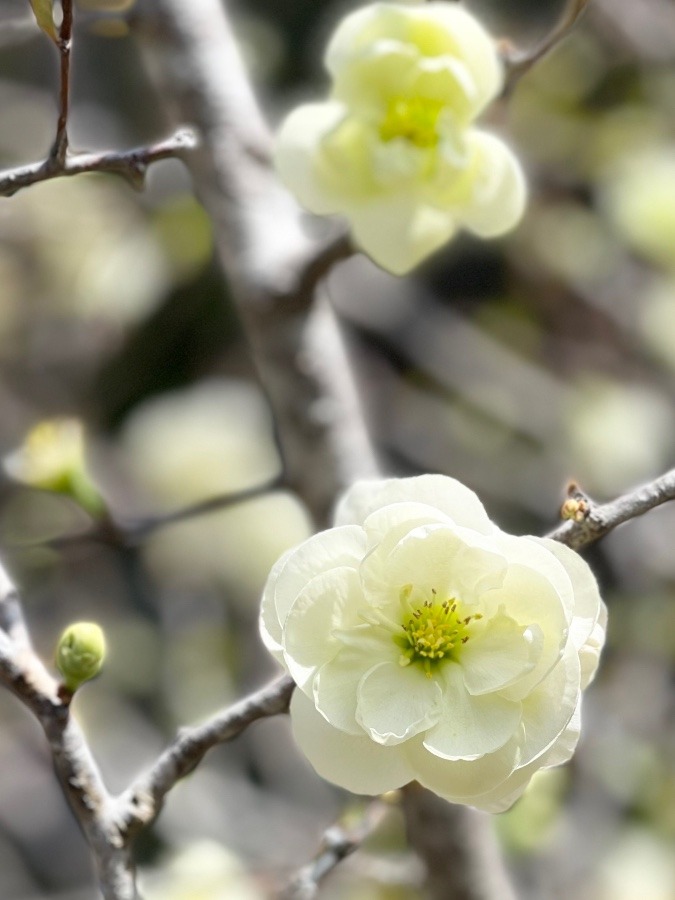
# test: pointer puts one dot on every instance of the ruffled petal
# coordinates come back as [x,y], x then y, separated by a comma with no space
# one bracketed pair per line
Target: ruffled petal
[323,551]
[589,654]
[498,653]
[432,560]
[468,41]
[329,602]
[387,526]
[398,232]
[355,763]
[547,709]
[588,606]
[296,154]
[471,726]
[531,599]
[336,684]
[270,627]
[499,189]
[460,780]
[395,703]
[447,494]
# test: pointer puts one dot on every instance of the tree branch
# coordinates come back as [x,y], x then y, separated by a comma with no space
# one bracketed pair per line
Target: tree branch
[338,842]
[24,674]
[130,164]
[593,521]
[272,268]
[59,149]
[458,846]
[141,803]
[518,62]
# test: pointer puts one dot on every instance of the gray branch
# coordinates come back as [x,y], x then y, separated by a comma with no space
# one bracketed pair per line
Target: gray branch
[338,842]
[141,803]
[23,673]
[594,521]
[131,165]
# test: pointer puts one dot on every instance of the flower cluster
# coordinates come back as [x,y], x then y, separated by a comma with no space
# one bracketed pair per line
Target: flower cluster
[429,645]
[394,149]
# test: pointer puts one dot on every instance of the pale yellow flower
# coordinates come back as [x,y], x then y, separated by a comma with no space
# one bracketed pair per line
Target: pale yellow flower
[394,148]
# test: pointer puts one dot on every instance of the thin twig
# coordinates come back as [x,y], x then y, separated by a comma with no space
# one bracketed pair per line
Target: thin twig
[59,149]
[119,532]
[137,531]
[597,520]
[130,164]
[338,842]
[518,62]
[142,802]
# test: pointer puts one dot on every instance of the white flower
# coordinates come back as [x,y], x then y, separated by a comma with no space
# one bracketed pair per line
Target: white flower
[393,149]
[429,645]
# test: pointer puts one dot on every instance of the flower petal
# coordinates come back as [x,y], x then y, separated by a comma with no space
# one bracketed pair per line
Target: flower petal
[395,703]
[270,627]
[460,780]
[471,726]
[589,654]
[321,552]
[448,495]
[547,709]
[336,684]
[355,763]
[298,144]
[471,43]
[498,653]
[433,560]
[499,187]
[397,231]
[329,602]
[588,606]
[531,599]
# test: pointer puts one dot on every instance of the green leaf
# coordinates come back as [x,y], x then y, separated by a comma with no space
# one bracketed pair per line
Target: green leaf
[42,10]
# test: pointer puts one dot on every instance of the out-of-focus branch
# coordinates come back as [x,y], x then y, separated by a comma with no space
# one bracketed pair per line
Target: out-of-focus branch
[458,846]
[589,521]
[518,62]
[271,266]
[338,842]
[142,802]
[131,165]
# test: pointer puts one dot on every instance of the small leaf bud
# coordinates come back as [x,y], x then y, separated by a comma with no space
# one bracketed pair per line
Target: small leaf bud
[80,653]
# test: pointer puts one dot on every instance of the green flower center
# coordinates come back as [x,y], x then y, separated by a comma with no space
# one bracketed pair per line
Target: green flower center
[414,119]
[432,631]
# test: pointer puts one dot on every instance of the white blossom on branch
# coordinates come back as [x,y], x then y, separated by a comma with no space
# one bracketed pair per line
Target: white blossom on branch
[428,645]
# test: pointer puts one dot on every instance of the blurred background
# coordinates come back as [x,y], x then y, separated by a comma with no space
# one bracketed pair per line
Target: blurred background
[513,365]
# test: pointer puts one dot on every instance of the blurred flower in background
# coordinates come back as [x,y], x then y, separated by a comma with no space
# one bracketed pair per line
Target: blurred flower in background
[394,148]
[203,442]
[52,458]
[204,870]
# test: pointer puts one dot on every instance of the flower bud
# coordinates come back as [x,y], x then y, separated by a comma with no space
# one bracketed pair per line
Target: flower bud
[53,458]
[80,653]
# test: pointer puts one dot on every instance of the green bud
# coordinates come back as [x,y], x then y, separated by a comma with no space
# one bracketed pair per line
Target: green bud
[80,653]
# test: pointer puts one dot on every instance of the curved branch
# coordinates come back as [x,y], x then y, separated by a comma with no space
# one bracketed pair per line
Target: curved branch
[141,803]
[338,842]
[518,62]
